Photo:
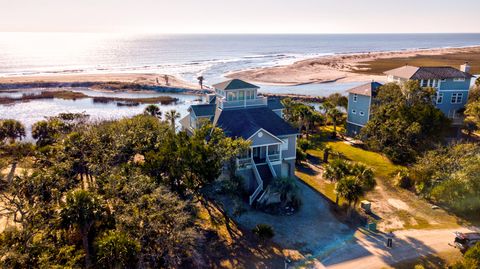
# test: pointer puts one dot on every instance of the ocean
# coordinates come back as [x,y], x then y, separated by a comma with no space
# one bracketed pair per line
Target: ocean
[185,56]
[189,56]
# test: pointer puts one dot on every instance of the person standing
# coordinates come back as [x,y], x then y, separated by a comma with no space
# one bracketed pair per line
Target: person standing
[390,240]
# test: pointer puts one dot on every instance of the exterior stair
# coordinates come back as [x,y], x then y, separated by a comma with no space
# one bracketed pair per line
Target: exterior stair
[265,174]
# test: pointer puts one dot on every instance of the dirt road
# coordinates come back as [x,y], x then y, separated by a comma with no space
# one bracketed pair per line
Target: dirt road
[369,250]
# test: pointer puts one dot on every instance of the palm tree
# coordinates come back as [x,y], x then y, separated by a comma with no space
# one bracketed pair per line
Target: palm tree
[338,100]
[80,212]
[200,81]
[171,116]
[153,110]
[351,190]
[305,115]
[365,176]
[286,187]
[336,171]
[326,153]
[334,115]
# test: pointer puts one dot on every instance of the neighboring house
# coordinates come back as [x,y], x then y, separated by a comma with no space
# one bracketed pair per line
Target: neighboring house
[242,113]
[359,104]
[452,87]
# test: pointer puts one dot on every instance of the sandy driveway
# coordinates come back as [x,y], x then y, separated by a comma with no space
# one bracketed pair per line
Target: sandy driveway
[369,251]
[324,242]
[312,230]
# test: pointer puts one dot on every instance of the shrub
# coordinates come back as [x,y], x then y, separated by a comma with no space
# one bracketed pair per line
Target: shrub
[304,144]
[471,259]
[263,231]
[296,202]
[301,155]
[402,179]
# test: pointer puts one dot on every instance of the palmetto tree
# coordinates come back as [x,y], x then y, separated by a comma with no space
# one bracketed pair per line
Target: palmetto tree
[200,81]
[351,190]
[172,116]
[153,110]
[364,175]
[336,171]
[334,115]
[80,212]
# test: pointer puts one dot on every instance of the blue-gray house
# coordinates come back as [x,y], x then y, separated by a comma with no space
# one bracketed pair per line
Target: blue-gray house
[452,87]
[359,104]
[237,108]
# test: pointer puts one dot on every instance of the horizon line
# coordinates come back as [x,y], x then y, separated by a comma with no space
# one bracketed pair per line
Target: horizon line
[233,33]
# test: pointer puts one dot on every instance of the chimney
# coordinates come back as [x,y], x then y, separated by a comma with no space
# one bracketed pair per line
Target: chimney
[465,67]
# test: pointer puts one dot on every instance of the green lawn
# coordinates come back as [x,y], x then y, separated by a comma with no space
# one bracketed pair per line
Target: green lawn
[324,187]
[420,213]
[380,164]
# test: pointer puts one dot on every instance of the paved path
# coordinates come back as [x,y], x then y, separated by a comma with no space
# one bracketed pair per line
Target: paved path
[368,251]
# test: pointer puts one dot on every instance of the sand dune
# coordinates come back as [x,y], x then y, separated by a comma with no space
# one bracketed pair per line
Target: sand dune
[341,67]
[145,79]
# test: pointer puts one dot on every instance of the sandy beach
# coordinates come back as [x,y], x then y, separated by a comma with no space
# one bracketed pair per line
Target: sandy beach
[134,78]
[357,67]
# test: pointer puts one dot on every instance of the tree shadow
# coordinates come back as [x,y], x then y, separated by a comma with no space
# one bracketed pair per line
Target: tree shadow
[375,243]
[241,249]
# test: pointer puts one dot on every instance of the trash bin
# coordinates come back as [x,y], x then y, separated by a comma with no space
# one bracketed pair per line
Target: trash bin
[366,206]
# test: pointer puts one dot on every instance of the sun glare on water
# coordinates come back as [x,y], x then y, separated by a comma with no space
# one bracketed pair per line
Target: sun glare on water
[53,50]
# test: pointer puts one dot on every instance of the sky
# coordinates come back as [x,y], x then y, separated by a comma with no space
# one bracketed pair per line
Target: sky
[240,16]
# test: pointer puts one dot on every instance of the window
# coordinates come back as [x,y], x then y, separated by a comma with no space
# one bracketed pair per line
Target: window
[439,97]
[361,113]
[459,79]
[434,83]
[231,96]
[354,112]
[456,98]
[241,95]
[443,80]
[355,97]
[247,95]
[192,121]
[252,94]
[284,144]
[424,83]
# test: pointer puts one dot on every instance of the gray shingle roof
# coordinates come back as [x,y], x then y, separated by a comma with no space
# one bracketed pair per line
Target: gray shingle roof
[245,122]
[274,104]
[435,72]
[366,89]
[203,110]
[234,84]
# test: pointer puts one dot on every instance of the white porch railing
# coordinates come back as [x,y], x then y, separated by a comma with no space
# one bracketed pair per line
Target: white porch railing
[274,174]
[259,101]
[259,182]
[244,162]
[274,157]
